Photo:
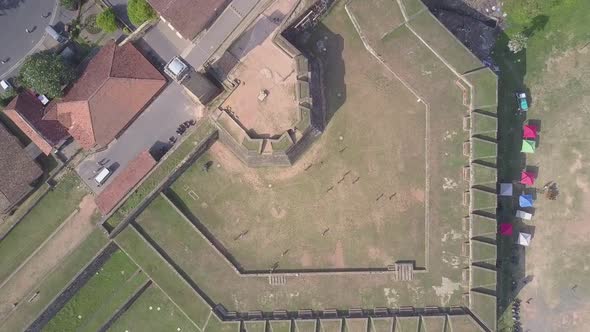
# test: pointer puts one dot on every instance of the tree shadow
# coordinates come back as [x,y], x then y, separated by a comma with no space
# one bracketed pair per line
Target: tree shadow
[9,4]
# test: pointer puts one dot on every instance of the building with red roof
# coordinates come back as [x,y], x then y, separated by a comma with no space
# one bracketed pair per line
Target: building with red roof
[116,86]
[38,122]
[189,17]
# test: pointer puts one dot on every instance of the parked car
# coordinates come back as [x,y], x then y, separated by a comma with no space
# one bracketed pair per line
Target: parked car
[523,105]
[177,69]
[5,85]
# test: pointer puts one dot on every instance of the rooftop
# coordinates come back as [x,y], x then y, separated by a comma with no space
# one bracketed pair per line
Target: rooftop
[189,17]
[19,171]
[115,87]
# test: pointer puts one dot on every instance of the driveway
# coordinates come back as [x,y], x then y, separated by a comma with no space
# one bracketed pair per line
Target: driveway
[151,130]
[15,17]
[162,42]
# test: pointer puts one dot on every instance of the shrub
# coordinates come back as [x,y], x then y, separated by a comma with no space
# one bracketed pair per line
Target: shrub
[6,97]
[91,26]
[139,11]
[517,43]
[107,20]
[46,73]
[69,4]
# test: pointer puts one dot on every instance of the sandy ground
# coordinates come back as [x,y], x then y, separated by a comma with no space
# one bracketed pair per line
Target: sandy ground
[72,233]
[264,67]
[558,260]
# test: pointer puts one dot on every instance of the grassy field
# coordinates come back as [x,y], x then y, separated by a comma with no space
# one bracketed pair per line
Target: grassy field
[361,228]
[100,297]
[40,222]
[54,282]
[163,275]
[357,199]
[554,70]
[153,311]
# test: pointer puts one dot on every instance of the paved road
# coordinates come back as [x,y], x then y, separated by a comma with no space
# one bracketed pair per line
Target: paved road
[225,24]
[15,17]
[153,127]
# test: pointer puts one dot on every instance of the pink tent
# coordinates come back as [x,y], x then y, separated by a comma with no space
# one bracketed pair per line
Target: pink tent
[506,229]
[529,132]
[527,178]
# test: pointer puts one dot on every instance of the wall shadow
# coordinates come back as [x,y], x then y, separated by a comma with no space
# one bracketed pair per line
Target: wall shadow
[327,47]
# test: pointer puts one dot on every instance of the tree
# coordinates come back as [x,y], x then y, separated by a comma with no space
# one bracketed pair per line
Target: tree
[140,11]
[107,21]
[46,73]
[517,43]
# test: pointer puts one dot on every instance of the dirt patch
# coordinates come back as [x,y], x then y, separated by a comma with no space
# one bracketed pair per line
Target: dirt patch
[306,260]
[418,195]
[337,259]
[64,241]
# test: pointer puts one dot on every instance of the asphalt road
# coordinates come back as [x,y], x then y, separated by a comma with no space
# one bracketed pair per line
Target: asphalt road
[15,17]
[153,127]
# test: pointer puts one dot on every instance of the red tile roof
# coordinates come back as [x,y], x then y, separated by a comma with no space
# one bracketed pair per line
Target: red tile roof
[189,17]
[115,87]
[39,123]
[136,170]
[18,170]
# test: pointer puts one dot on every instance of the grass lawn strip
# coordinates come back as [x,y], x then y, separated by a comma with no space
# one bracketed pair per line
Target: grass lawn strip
[162,170]
[216,325]
[109,307]
[161,273]
[40,222]
[54,282]
[444,42]
[114,276]
[153,311]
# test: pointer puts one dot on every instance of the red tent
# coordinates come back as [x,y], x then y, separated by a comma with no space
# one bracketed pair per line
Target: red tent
[527,178]
[529,131]
[505,229]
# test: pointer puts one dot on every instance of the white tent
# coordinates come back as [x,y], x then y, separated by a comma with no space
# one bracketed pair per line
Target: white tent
[524,239]
[506,189]
[523,215]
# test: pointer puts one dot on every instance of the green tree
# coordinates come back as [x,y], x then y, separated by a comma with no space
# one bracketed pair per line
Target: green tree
[46,73]
[107,20]
[140,11]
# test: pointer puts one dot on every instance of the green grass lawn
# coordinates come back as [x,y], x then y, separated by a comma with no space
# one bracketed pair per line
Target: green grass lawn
[40,222]
[54,282]
[100,297]
[153,311]
[163,275]
[554,28]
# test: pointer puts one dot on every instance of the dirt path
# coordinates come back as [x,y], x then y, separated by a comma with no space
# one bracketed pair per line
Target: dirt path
[73,232]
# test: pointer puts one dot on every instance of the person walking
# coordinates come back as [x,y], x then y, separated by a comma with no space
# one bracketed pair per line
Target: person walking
[27,30]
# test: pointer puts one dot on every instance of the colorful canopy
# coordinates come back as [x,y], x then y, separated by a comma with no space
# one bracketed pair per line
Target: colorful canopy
[529,131]
[505,229]
[523,215]
[524,239]
[526,200]
[505,189]
[528,146]
[527,178]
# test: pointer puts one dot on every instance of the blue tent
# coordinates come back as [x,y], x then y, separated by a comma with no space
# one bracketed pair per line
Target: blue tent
[525,200]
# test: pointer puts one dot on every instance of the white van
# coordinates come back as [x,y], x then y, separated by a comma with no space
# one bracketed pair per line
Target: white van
[102,176]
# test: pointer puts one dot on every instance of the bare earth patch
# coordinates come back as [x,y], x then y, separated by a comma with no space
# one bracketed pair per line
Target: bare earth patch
[71,234]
